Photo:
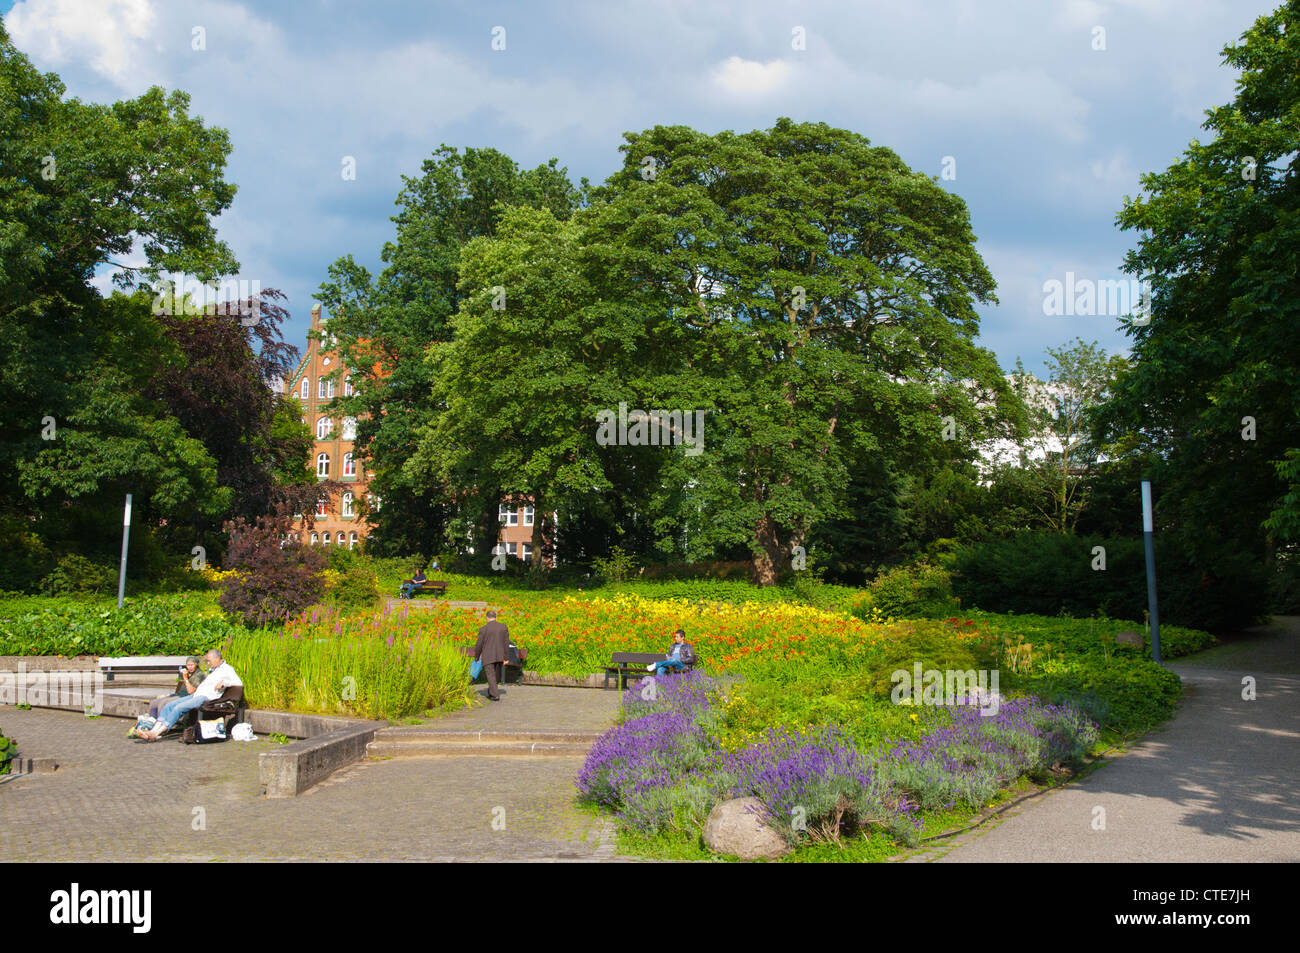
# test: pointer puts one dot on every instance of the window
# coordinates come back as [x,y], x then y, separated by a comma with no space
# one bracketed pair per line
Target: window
[349,428]
[374,502]
[511,548]
[525,551]
[322,389]
[349,465]
[528,516]
[323,428]
[323,508]
[322,464]
[347,387]
[347,506]
[325,539]
[508,515]
[352,541]
[331,388]
[315,539]
[306,387]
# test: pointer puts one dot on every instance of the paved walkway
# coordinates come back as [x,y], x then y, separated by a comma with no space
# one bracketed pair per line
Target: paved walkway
[117,800]
[1221,783]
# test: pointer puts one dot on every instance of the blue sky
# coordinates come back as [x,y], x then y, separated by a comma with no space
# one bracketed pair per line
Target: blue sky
[1048,133]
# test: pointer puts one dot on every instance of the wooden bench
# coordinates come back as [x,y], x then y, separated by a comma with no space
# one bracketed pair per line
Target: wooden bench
[623,664]
[434,587]
[143,665]
[230,705]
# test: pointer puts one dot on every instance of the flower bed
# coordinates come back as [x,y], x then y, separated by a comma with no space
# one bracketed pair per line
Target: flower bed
[666,765]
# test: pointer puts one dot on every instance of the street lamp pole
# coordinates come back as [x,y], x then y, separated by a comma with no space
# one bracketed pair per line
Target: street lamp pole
[126,535]
[1148,535]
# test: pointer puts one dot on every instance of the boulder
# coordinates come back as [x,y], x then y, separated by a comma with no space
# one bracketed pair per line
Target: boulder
[1130,638]
[738,827]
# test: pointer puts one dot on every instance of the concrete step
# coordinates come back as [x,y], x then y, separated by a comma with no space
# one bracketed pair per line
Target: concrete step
[424,734]
[474,749]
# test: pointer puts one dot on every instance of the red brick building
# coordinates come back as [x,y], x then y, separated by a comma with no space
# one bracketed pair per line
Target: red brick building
[318,379]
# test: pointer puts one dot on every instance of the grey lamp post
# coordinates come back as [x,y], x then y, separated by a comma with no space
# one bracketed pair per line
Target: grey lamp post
[1148,536]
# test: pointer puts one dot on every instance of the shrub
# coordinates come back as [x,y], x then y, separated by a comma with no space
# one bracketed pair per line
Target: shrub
[8,751]
[277,578]
[24,557]
[616,567]
[355,588]
[918,591]
[77,574]
[1201,584]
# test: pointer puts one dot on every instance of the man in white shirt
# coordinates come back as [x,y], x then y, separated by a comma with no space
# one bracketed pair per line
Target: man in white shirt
[220,677]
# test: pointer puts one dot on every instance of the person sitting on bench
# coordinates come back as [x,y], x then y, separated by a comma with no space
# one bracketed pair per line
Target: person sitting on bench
[188,682]
[681,656]
[415,582]
[220,677]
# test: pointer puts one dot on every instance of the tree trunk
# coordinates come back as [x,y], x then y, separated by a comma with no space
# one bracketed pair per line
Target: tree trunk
[769,554]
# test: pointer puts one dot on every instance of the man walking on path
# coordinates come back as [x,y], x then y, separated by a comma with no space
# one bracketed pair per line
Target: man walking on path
[492,648]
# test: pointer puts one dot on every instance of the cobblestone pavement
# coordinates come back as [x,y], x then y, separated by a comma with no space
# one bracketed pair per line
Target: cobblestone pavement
[114,799]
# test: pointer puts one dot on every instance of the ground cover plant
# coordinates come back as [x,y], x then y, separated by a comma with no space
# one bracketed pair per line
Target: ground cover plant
[175,624]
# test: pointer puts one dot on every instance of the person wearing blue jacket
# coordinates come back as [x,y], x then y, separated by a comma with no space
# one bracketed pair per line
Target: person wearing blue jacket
[681,656]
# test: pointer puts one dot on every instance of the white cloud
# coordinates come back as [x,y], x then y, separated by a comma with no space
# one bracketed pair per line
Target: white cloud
[110,35]
[736,75]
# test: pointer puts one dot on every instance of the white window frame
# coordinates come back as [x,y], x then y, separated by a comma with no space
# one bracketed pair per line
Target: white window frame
[315,539]
[352,540]
[349,465]
[528,515]
[323,427]
[347,386]
[349,428]
[306,387]
[507,516]
[322,464]
[321,389]
[324,539]
[525,551]
[347,506]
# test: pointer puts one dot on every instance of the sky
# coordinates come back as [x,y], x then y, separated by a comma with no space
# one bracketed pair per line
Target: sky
[1041,115]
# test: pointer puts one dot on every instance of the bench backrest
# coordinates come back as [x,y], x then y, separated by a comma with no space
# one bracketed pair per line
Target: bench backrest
[637,658]
[144,661]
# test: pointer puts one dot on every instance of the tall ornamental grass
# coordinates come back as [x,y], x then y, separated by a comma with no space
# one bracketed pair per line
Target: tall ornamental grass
[366,676]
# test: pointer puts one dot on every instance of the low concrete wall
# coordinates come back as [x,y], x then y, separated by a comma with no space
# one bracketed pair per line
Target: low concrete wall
[296,767]
[594,680]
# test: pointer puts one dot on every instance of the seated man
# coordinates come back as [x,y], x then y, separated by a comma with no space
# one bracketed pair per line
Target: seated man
[415,582]
[188,682]
[220,677]
[681,656]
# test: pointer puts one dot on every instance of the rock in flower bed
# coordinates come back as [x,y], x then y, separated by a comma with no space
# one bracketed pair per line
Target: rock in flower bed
[663,768]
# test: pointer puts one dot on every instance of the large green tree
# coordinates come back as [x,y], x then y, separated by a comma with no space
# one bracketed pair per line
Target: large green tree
[385,324]
[1212,396]
[820,302]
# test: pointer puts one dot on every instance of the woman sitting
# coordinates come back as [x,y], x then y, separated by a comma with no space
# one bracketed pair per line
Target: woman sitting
[186,684]
[415,582]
